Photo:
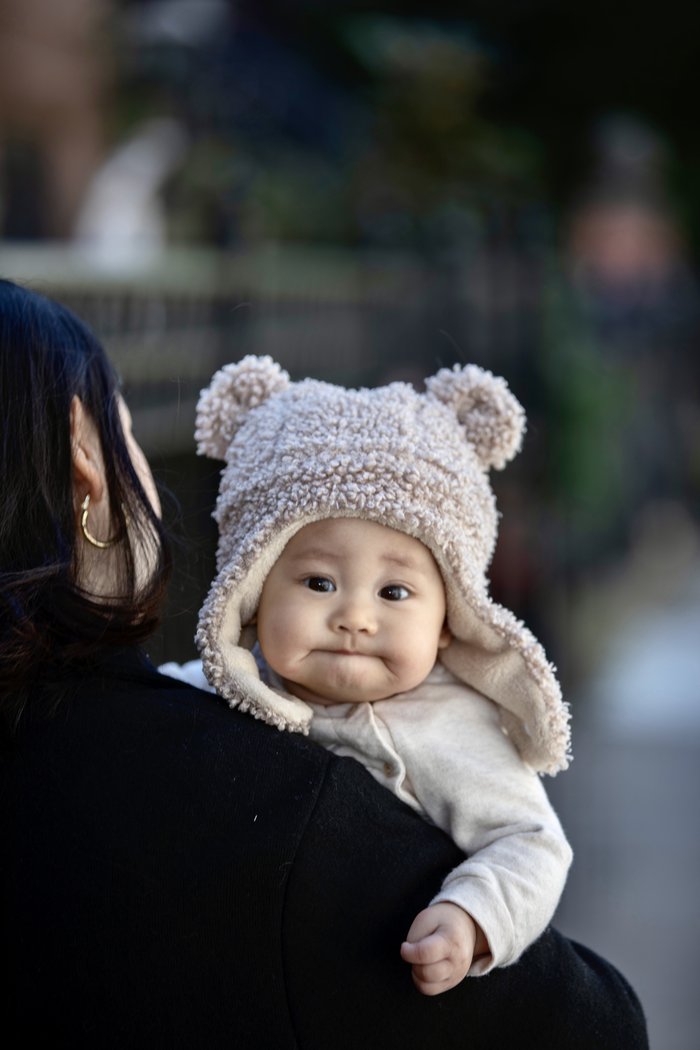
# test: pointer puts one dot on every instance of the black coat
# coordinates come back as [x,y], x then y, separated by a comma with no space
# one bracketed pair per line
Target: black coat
[175,874]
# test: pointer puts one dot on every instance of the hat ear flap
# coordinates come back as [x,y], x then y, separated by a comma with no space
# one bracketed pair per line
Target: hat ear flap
[493,419]
[232,393]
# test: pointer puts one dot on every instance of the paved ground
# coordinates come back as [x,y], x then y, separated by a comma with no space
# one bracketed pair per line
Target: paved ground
[631,806]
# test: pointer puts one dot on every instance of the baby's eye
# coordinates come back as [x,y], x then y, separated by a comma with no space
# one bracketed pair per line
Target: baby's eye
[395,592]
[320,584]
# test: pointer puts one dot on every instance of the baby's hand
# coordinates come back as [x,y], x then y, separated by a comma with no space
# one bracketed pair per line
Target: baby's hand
[440,947]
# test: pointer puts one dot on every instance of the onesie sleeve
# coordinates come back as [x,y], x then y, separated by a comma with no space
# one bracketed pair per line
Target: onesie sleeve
[470,780]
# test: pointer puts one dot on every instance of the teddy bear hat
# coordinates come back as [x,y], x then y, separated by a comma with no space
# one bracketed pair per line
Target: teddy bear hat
[296,453]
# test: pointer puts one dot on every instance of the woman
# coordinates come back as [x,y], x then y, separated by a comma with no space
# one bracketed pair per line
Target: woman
[175,874]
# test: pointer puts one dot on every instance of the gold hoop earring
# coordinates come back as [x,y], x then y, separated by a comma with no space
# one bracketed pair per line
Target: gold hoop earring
[102,544]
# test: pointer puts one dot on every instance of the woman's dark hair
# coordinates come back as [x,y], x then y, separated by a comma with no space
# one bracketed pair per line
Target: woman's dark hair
[47,622]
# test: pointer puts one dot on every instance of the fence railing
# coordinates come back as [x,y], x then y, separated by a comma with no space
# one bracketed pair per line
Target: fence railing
[353,317]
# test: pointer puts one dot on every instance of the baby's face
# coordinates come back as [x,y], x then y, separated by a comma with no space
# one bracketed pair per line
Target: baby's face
[352,611]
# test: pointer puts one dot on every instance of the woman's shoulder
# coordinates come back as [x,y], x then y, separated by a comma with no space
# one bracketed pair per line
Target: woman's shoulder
[121,708]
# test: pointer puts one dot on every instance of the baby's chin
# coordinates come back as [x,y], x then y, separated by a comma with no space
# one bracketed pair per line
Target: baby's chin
[343,691]
[337,696]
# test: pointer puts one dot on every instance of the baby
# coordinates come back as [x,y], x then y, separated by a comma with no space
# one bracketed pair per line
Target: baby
[351,603]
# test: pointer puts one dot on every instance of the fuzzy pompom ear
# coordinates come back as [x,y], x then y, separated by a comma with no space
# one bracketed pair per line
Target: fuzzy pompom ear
[492,417]
[233,391]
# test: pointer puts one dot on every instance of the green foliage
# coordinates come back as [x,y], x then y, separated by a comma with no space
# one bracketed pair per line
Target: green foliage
[419,165]
[431,150]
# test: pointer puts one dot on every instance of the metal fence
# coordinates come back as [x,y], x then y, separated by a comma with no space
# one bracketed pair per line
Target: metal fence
[351,317]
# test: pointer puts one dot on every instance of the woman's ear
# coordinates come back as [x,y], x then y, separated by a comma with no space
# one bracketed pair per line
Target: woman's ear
[88,462]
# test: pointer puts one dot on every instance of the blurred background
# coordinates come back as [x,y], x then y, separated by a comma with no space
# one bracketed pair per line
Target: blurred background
[371,191]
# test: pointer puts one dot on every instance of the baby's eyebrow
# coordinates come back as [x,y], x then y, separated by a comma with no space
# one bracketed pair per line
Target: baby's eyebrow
[326,554]
[314,554]
[402,562]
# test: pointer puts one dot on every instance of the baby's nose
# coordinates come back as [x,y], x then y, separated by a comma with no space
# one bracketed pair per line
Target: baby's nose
[355,616]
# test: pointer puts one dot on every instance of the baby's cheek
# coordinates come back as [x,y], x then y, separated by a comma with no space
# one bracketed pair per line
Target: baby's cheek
[420,663]
[283,645]
[270,637]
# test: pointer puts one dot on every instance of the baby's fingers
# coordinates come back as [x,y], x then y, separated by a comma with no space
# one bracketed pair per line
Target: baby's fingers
[430,950]
[432,971]
[430,985]
[439,947]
